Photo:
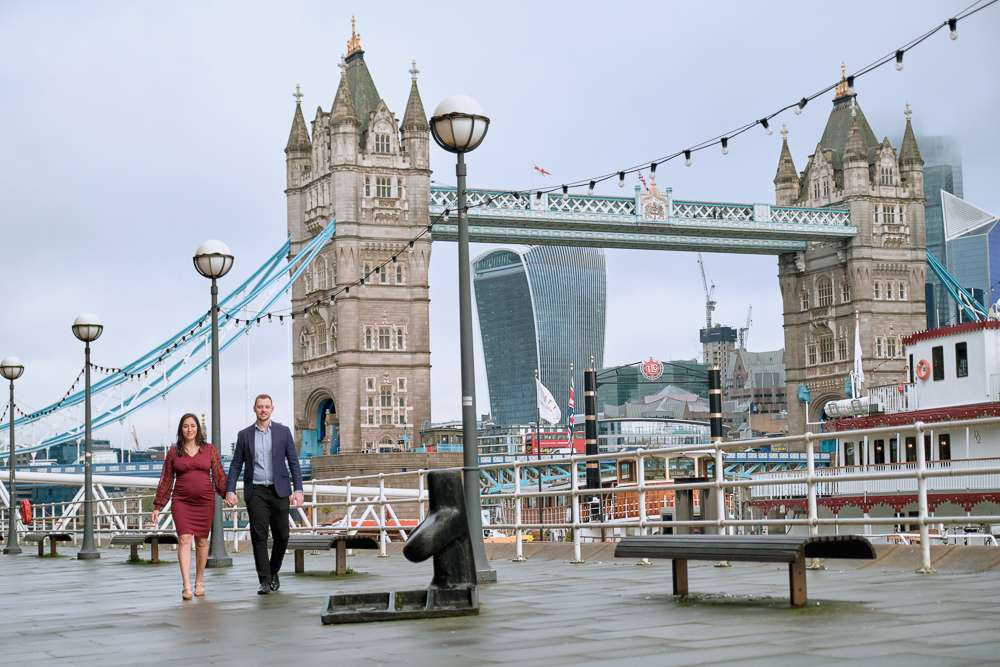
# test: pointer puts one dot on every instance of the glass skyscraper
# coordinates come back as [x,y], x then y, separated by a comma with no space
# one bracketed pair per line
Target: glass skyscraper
[543,308]
[972,246]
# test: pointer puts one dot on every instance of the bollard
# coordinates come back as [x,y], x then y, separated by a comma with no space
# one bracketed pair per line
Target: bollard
[444,536]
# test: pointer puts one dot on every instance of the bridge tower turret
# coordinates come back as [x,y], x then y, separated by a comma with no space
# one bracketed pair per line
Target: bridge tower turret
[361,361]
[879,273]
[786,181]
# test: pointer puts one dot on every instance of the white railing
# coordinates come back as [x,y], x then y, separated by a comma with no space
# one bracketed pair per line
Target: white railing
[373,503]
[894,397]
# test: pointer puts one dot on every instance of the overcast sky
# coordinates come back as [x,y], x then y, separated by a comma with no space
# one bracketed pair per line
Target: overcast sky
[132,132]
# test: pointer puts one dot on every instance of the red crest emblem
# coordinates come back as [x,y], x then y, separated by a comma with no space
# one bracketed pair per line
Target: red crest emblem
[651,369]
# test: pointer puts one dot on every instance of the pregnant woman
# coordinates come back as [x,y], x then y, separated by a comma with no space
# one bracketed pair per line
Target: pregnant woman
[190,471]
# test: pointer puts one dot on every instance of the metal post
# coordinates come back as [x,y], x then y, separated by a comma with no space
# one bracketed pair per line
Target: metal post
[715,433]
[925,540]
[538,457]
[12,546]
[217,556]
[470,438]
[814,563]
[518,548]
[88,551]
[575,500]
[590,441]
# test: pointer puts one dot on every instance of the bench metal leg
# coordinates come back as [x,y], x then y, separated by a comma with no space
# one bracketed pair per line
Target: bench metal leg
[300,560]
[797,582]
[680,568]
[155,548]
[341,559]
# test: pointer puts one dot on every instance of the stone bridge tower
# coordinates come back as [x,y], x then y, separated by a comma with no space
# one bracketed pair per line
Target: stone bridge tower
[880,273]
[361,364]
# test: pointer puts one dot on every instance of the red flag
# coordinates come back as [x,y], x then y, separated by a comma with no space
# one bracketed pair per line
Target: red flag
[643,180]
[541,171]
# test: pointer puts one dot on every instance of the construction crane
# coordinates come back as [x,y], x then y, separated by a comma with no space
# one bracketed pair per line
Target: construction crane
[709,293]
[745,330]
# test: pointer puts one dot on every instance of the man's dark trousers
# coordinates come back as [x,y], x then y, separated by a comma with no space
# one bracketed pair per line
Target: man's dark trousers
[267,509]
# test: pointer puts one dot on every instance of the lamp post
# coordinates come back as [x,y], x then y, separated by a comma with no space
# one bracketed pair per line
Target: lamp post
[213,260]
[11,368]
[88,328]
[459,126]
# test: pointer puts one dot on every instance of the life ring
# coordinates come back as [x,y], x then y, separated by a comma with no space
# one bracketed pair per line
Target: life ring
[26,517]
[900,388]
[923,369]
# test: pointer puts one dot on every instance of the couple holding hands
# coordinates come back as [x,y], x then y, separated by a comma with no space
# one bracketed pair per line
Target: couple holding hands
[192,474]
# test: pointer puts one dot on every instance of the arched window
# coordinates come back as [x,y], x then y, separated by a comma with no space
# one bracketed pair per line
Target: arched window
[399,339]
[321,280]
[368,186]
[382,143]
[383,187]
[368,338]
[825,291]
[399,274]
[382,275]
[902,292]
[386,397]
[845,292]
[309,280]
[383,338]
[804,298]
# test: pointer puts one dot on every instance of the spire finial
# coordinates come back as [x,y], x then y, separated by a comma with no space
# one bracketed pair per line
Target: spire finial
[414,71]
[784,131]
[907,113]
[842,87]
[354,43]
[854,107]
[297,95]
[342,64]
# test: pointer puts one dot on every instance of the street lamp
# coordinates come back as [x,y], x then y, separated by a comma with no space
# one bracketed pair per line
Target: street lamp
[213,260]
[11,368]
[88,328]
[459,125]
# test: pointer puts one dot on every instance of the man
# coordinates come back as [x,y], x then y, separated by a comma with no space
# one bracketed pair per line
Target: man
[262,451]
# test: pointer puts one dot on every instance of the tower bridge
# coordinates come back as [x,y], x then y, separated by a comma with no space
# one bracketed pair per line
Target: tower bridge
[651,220]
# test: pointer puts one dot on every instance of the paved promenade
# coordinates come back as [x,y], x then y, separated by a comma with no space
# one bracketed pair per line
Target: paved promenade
[545,611]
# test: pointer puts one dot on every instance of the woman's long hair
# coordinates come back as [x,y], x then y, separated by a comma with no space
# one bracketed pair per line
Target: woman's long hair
[199,437]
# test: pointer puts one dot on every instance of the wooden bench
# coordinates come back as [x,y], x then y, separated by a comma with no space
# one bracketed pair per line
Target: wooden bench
[39,538]
[791,549]
[300,543]
[133,540]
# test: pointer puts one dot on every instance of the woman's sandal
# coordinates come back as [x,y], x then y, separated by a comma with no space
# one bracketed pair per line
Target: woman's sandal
[186,594]
[199,590]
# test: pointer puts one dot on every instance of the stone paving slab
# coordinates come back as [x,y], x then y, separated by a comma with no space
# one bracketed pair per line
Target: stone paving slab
[544,611]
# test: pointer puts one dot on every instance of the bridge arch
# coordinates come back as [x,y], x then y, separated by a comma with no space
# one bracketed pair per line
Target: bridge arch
[319,406]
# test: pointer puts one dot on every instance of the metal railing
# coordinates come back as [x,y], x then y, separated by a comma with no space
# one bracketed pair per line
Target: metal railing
[390,505]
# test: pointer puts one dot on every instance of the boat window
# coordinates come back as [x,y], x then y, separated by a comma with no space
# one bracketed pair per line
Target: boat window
[927,447]
[911,450]
[879,451]
[893,451]
[937,361]
[944,446]
[682,466]
[848,453]
[656,468]
[708,467]
[961,360]
[911,369]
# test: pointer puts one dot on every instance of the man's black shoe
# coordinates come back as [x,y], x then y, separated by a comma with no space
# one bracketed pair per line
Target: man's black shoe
[275,582]
[264,588]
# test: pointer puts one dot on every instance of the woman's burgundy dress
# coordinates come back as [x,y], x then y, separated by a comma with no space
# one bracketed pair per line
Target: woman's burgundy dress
[193,503]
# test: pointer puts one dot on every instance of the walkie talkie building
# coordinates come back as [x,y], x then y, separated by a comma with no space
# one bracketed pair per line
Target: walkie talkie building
[542,308]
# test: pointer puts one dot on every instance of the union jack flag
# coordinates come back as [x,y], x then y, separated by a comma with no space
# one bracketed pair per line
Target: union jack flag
[643,181]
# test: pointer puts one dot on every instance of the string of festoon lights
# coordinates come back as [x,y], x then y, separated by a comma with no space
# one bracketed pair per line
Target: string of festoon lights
[72,389]
[725,138]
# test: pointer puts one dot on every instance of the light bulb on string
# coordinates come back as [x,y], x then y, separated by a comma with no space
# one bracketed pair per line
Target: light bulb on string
[763,122]
[590,190]
[899,60]
[725,145]
[446,212]
[652,169]
[538,195]
[621,179]
[802,105]
[687,158]
[850,85]
[953,28]
[565,193]
[394,262]
[281,320]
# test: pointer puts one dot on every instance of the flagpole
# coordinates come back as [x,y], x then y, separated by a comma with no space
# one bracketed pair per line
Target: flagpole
[538,446]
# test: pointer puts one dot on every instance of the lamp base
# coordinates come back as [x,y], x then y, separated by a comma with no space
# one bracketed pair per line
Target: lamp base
[88,555]
[219,561]
[12,550]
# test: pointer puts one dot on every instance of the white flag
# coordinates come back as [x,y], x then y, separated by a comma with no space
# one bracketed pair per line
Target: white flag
[548,409]
[859,372]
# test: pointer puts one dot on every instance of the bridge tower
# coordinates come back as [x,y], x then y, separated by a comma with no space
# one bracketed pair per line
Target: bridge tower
[880,273]
[361,364]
